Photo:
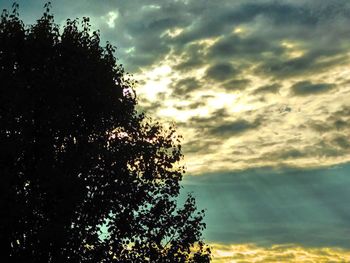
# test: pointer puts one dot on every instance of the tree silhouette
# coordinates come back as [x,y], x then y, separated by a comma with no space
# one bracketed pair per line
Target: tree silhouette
[84,177]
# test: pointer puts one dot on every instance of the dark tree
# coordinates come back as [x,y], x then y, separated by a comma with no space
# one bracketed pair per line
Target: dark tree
[77,159]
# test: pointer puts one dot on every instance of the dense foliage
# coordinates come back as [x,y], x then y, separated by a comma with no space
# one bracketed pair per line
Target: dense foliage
[84,177]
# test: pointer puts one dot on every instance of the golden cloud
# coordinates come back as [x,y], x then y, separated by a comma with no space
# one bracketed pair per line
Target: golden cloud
[244,253]
[242,128]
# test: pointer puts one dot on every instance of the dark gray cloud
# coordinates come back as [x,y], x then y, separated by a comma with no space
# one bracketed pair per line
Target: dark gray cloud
[303,23]
[233,128]
[197,104]
[337,121]
[234,46]
[308,64]
[320,127]
[192,56]
[202,145]
[221,71]
[271,88]
[304,88]
[149,106]
[236,84]
[142,26]
[341,141]
[212,19]
[215,117]
[185,86]
[289,153]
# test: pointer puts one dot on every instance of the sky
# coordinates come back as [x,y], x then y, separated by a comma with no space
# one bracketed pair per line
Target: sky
[260,92]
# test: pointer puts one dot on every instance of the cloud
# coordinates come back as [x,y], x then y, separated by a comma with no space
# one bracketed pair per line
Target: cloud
[234,46]
[185,86]
[141,24]
[111,18]
[206,122]
[234,128]
[335,122]
[221,71]
[342,142]
[241,253]
[270,88]
[230,65]
[236,84]
[275,135]
[304,65]
[304,88]
[192,57]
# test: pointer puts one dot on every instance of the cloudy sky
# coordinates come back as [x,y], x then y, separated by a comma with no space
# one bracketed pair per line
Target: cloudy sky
[260,91]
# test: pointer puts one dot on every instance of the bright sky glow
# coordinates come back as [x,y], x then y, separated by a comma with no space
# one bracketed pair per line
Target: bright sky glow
[110,18]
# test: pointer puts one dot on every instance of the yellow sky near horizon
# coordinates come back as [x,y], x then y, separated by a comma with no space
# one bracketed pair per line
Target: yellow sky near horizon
[250,253]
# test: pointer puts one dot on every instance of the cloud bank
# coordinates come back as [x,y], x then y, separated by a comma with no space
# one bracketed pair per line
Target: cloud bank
[259,83]
[242,253]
